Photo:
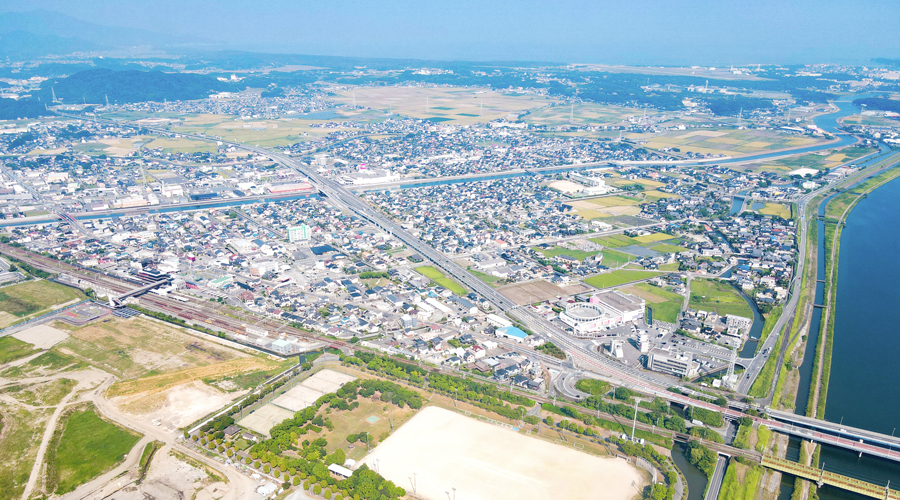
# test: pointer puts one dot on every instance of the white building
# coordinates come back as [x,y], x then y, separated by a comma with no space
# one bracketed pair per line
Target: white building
[604,310]
[299,233]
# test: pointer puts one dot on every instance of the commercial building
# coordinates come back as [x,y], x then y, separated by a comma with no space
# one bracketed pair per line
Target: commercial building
[511,332]
[603,310]
[677,364]
[299,233]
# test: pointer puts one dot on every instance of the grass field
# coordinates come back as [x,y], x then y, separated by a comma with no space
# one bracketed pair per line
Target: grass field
[439,278]
[12,349]
[668,248]
[87,447]
[577,254]
[718,296]
[33,298]
[41,394]
[487,278]
[370,416]
[776,209]
[615,241]
[612,258]
[19,441]
[615,278]
[668,308]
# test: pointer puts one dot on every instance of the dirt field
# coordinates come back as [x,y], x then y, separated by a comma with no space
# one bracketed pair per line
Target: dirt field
[42,336]
[531,292]
[311,389]
[482,461]
[263,419]
[175,407]
[170,477]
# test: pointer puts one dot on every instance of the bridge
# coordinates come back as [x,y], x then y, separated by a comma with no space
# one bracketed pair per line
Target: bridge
[119,300]
[852,438]
[822,477]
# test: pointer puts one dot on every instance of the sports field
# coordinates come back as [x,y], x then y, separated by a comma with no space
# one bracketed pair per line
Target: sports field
[446,450]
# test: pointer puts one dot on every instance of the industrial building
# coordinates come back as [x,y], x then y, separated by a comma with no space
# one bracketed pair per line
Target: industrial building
[603,310]
[672,363]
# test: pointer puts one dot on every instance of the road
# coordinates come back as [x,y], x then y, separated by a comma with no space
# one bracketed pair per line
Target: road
[715,482]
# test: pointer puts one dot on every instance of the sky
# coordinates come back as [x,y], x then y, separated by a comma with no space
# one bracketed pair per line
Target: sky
[641,32]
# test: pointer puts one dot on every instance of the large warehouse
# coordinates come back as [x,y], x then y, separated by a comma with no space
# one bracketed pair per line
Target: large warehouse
[603,310]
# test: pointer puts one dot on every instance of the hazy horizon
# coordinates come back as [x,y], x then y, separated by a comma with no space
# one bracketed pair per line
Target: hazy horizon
[643,33]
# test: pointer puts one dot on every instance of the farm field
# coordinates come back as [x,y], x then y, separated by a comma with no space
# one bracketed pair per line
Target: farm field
[613,258]
[777,210]
[620,277]
[87,446]
[732,142]
[577,254]
[718,296]
[438,277]
[451,105]
[482,460]
[822,160]
[532,292]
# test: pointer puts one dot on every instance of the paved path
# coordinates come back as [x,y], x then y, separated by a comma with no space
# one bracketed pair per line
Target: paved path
[715,483]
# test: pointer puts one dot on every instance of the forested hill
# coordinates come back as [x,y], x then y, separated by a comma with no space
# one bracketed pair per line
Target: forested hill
[11,109]
[96,85]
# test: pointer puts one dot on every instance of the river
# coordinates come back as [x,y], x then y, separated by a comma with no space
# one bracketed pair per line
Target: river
[862,392]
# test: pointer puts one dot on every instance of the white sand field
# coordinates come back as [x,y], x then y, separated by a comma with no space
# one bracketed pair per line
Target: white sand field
[482,461]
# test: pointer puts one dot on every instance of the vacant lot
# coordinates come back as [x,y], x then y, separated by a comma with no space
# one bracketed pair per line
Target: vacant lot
[481,460]
[576,254]
[620,277]
[718,296]
[32,298]
[439,278]
[12,349]
[87,447]
[666,305]
[135,347]
[532,292]
[19,441]
[48,393]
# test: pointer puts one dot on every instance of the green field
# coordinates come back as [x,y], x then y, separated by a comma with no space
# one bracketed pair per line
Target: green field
[487,278]
[12,349]
[33,297]
[667,311]
[439,278]
[718,296]
[87,447]
[41,394]
[777,210]
[616,241]
[577,254]
[615,278]
[613,258]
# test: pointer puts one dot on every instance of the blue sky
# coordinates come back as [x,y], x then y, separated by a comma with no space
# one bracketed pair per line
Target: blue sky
[621,32]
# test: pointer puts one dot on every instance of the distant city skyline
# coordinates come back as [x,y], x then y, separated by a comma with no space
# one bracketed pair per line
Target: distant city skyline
[640,33]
